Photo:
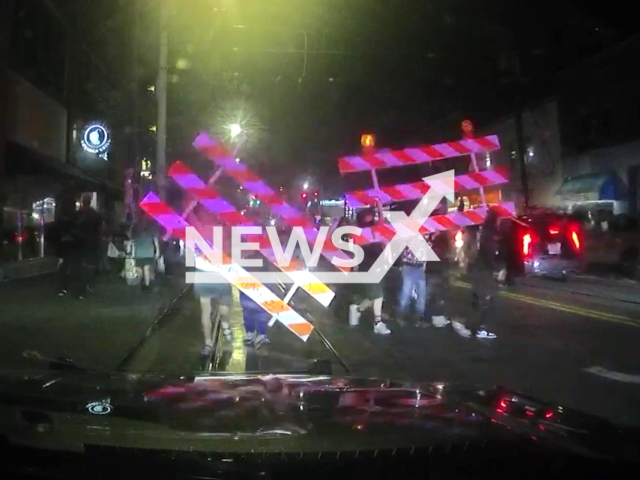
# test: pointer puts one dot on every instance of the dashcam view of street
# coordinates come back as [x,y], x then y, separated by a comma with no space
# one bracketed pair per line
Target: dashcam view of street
[501,145]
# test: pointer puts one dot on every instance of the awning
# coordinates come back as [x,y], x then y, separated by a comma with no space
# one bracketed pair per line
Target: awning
[593,187]
[50,174]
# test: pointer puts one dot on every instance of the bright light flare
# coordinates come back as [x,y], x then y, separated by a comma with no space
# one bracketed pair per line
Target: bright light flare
[235,130]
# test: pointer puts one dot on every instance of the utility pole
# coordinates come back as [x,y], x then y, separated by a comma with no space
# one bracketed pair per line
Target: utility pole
[132,171]
[521,148]
[161,93]
[135,99]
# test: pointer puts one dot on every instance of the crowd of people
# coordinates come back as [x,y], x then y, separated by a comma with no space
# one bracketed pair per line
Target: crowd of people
[77,236]
[83,242]
[427,286]
[425,292]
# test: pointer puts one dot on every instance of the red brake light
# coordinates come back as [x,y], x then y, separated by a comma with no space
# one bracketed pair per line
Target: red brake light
[526,244]
[554,231]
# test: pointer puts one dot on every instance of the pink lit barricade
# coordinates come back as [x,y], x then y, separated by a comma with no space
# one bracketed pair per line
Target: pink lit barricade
[231,272]
[260,190]
[216,204]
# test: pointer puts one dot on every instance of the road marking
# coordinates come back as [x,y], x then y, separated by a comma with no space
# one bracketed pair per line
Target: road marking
[620,377]
[608,317]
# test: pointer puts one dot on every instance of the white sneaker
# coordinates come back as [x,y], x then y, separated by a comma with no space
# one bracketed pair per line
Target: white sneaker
[381,328]
[261,340]
[228,334]
[485,335]
[249,338]
[439,321]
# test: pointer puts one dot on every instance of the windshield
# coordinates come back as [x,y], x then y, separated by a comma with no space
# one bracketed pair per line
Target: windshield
[226,186]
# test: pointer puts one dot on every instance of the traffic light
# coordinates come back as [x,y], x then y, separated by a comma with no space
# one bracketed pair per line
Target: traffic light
[315,194]
[303,196]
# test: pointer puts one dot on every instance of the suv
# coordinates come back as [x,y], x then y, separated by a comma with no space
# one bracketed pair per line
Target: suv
[550,244]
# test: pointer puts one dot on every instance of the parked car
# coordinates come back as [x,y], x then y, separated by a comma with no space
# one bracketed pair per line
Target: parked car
[551,244]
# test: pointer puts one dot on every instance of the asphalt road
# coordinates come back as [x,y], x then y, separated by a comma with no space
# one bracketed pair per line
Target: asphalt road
[572,343]
[97,332]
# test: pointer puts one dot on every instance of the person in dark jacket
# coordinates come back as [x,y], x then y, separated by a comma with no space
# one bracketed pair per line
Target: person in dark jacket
[482,270]
[69,256]
[509,254]
[89,231]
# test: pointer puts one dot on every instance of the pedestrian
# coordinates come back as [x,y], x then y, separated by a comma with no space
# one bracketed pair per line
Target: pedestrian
[214,289]
[440,275]
[509,255]
[482,272]
[65,247]
[256,322]
[414,279]
[211,289]
[89,231]
[146,251]
[371,295]
[105,266]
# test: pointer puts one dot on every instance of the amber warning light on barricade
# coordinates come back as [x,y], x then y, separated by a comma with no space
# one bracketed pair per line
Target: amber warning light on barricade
[467,128]
[368,140]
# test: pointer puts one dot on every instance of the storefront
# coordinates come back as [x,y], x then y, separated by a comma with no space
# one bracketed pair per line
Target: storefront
[39,188]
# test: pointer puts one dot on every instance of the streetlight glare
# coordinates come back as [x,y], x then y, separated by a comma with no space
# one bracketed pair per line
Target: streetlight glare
[235,130]
[306,185]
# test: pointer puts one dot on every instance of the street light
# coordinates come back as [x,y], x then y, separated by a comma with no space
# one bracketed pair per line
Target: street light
[305,186]
[234,130]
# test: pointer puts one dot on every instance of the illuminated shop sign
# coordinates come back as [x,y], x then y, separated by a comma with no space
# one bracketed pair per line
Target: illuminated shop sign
[96,139]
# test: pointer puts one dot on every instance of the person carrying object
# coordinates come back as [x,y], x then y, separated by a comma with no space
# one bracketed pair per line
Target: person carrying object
[146,251]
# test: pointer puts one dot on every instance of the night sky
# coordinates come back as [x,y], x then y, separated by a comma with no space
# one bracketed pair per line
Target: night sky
[393,67]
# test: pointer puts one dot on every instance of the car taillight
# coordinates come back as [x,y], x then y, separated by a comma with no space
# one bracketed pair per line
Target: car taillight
[526,244]
[554,231]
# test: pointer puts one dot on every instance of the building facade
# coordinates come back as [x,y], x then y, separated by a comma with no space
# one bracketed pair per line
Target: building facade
[599,118]
[543,156]
[46,164]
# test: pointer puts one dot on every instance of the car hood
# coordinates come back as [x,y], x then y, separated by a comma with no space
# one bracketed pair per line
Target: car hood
[75,409]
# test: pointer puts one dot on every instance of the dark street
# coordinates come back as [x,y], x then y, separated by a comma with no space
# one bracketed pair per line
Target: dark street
[573,343]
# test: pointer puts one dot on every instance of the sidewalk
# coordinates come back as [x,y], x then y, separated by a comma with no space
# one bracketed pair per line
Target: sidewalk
[96,332]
